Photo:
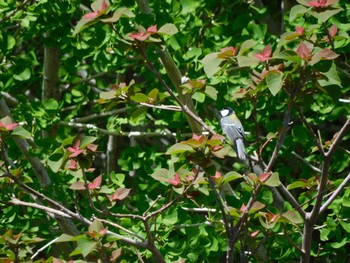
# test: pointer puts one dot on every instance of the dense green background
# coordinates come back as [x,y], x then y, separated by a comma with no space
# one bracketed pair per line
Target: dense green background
[55,80]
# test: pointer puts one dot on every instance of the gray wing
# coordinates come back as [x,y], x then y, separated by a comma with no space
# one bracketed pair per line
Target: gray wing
[233,132]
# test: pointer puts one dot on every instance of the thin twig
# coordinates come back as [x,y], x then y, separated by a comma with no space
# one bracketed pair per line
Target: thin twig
[314,137]
[44,247]
[49,210]
[120,227]
[290,240]
[335,193]
[338,139]
[184,108]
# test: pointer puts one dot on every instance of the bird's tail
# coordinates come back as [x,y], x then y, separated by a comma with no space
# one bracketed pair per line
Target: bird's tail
[240,149]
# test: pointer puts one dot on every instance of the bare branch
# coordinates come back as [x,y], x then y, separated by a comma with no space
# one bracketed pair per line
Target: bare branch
[335,193]
[338,139]
[49,210]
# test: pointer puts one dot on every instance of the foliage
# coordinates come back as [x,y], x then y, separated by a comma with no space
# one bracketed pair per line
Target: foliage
[118,157]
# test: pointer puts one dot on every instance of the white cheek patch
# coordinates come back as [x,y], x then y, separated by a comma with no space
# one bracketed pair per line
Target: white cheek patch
[224,112]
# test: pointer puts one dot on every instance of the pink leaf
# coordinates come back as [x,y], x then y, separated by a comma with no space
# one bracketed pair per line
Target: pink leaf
[152,29]
[303,51]
[75,152]
[228,52]
[96,183]
[175,181]
[300,30]
[7,127]
[73,165]
[217,175]
[140,36]
[120,194]
[264,176]
[318,3]
[104,5]
[265,54]
[332,31]
[92,147]
[77,186]
[91,15]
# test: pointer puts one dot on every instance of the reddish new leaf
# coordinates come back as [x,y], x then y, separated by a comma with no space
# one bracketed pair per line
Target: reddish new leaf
[120,194]
[299,30]
[96,183]
[175,181]
[264,176]
[304,51]
[77,186]
[265,54]
[332,31]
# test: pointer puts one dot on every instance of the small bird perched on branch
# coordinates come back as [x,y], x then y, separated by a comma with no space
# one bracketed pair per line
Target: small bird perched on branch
[233,129]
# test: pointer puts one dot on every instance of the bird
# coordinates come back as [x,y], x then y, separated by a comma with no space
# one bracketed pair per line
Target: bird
[233,129]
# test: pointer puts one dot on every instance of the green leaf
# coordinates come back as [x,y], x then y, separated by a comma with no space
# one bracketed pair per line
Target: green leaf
[345,225]
[139,97]
[273,180]
[96,226]
[21,132]
[326,14]
[246,46]
[296,11]
[340,244]
[211,64]
[86,140]
[51,104]
[331,77]
[24,75]
[211,92]
[161,175]
[84,247]
[108,95]
[297,184]
[119,13]
[231,176]
[11,42]
[55,165]
[167,29]
[293,217]
[179,148]
[274,81]
[170,218]
[247,61]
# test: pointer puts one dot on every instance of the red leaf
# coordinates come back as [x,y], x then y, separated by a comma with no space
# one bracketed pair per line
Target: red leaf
[175,181]
[264,176]
[265,54]
[7,127]
[120,194]
[299,30]
[303,51]
[152,29]
[243,208]
[228,52]
[255,233]
[332,31]
[96,183]
[73,165]
[104,6]
[75,152]
[217,175]
[141,36]
[318,3]
[91,15]
[92,147]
